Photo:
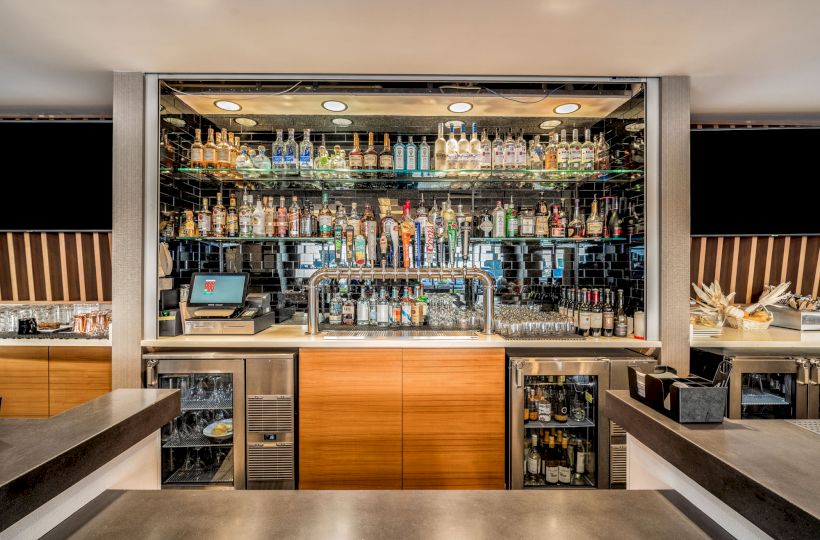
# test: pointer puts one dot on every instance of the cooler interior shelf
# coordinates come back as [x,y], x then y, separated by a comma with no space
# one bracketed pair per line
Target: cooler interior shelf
[570,423]
[752,396]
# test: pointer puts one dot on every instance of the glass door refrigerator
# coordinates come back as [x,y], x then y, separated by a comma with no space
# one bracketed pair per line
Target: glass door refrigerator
[556,412]
[204,447]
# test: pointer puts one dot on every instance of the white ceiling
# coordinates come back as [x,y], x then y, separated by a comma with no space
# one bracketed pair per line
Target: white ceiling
[748,59]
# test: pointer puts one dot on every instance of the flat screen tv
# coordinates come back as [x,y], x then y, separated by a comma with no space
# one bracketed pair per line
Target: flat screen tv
[56,176]
[748,181]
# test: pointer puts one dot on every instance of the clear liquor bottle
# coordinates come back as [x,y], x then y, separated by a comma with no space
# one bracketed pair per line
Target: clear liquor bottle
[406,309]
[608,315]
[223,150]
[290,157]
[234,148]
[509,151]
[306,154]
[575,227]
[527,219]
[281,218]
[533,461]
[306,228]
[196,158]
[370,158]
[587,152]
[245,216]
[424,156]
[595,223]
[321,163]
[513,224]
[218,216]
[270,218]
[383,309]
[386,159]
[363,310]
[232,217]
[203,219]
[485,162]
[463,150]
[497,152]
[411,156]
[520,152]
[277,153]
[261,161]
[575,152]
[353,220]
[551,153]
[499,221]
[562,152]
[209,150]
[399,158]
[348,312]
[536,154]
[452,150]
[440,149]
[258,219]
[596,321]
[475,149]
[294,218]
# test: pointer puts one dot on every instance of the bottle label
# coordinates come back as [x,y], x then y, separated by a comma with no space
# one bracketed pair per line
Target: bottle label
[596,320]
[563,157]
[544,411]
[382,313]
[587,155]
[594,228]
[196,154]
[276,156]
[512,227]
[527,226]
[424,159]
[564,474]
[324,225]
[204,223]
[411,158]
[398,159]
[348,314]
[385,161]
[552,475]
[305,158]
[557,231]
[356,161]
[293,224]
[608,320]
[290,157]
[406,314]
[584,320]
[620,329]
[370,161]
[210,154]
[580,462]
[223,154]
[575,154]
[533,465]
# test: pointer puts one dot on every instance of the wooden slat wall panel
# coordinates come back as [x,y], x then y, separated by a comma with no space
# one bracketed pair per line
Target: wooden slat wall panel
[751,263]
[55,267]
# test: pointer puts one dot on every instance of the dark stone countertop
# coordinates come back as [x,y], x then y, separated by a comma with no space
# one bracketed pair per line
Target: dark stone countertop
[40,458]
[182,514]
[766,470]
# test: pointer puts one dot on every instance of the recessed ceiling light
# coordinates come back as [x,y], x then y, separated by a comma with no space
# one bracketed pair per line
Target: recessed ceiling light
[454,124]
[174,121]
[334,106]
[343,122]
[227,105]
[566,108]
[636,126]
[549,124]
[459,107]
[247,122]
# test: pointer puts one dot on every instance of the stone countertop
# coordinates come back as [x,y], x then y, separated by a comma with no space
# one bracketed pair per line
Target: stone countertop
[772,340]
[40,458]
[56,339]
[453,515]
[763,469]
[293,336]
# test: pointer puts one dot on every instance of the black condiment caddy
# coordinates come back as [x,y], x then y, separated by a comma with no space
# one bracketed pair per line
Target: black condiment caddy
[693,400]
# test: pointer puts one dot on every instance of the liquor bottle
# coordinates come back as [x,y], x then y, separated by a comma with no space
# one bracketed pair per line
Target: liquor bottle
[565,464]
[595,223]
[475,149]
[196,158]
[551,153]
[562,152]
[497,152]
[306,228]
[245,216]
[499,221]
[406,309]
[440,149]
[234,148]
[277,153]
[423,303]
[340,236]
[395,309]
[571,307]
[258,219]
[349,312]
[306,154]
[424,156]
[389,228]
[363,310]
[223,150]
[560,411]
[585,315]
[608,315]
[209,151]
[356,158]
[527,218]
[411,156]
[557,229]
[601,154]
[520,152]
[386,158]
[509,151]
[370,159]
[281,218]
[420,222]
[383,309]
[406,228]
[575,227]
[587,152]
[369,229]
[596,320]
[243,161]
[218,216]
[203,219]
[620,316]
[270,218]
[261,161]
[533,460]
[579,299]
[485,225]
[448,217]
[512,222]
[542,218]
[615,223]
[353,220]
[322,160]
[399,158]
[336,305]
[232,217]
[290,153]
[575,151]
[485,158]
[536,154]
[463,160]
[325,219]
[338,162]
[552,462]
[294,217]
[451,149]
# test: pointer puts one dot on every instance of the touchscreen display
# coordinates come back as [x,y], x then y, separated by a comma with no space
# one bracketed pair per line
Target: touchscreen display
[218,289]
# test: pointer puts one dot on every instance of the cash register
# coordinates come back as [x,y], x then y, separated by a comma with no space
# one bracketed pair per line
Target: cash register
[219,303]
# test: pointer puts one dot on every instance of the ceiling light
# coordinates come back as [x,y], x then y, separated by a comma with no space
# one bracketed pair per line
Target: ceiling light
[566,108]
[635,126]
[343,122]
[334,106]
[247,122]
[549,124]
[227,105]
[174,121]
[459,107]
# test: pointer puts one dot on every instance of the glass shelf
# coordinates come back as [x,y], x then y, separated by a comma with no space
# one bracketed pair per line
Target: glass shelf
[237,239]
[474,240]
[544,239]
[570,423]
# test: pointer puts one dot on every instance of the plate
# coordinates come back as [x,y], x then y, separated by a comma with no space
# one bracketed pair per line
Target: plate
[53,330]
[209,430]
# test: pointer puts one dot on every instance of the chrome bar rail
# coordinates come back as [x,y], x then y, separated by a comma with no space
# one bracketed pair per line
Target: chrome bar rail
[399,273]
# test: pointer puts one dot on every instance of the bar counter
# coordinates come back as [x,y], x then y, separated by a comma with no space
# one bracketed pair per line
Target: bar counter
[294,336]
[387,514]
[765,470]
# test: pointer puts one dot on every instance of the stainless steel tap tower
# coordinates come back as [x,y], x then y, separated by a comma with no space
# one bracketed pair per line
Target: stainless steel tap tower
[398,273]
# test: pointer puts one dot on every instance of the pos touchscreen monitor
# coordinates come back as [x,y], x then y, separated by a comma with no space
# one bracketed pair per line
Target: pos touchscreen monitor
[218,290]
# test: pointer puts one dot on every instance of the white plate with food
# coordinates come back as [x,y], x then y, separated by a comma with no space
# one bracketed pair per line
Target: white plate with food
[221,430]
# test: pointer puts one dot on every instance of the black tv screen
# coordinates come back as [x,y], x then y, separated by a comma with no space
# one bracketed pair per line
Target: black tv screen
[748,181]
[57,176]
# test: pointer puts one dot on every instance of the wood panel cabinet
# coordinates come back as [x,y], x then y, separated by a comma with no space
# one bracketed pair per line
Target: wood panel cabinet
[77,375]
[453,421]
[24,382]
[350,419]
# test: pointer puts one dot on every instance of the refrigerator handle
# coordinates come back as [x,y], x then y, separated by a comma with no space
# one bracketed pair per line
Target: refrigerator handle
[151,375]
[814,373]
[802,371]
[519,376]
